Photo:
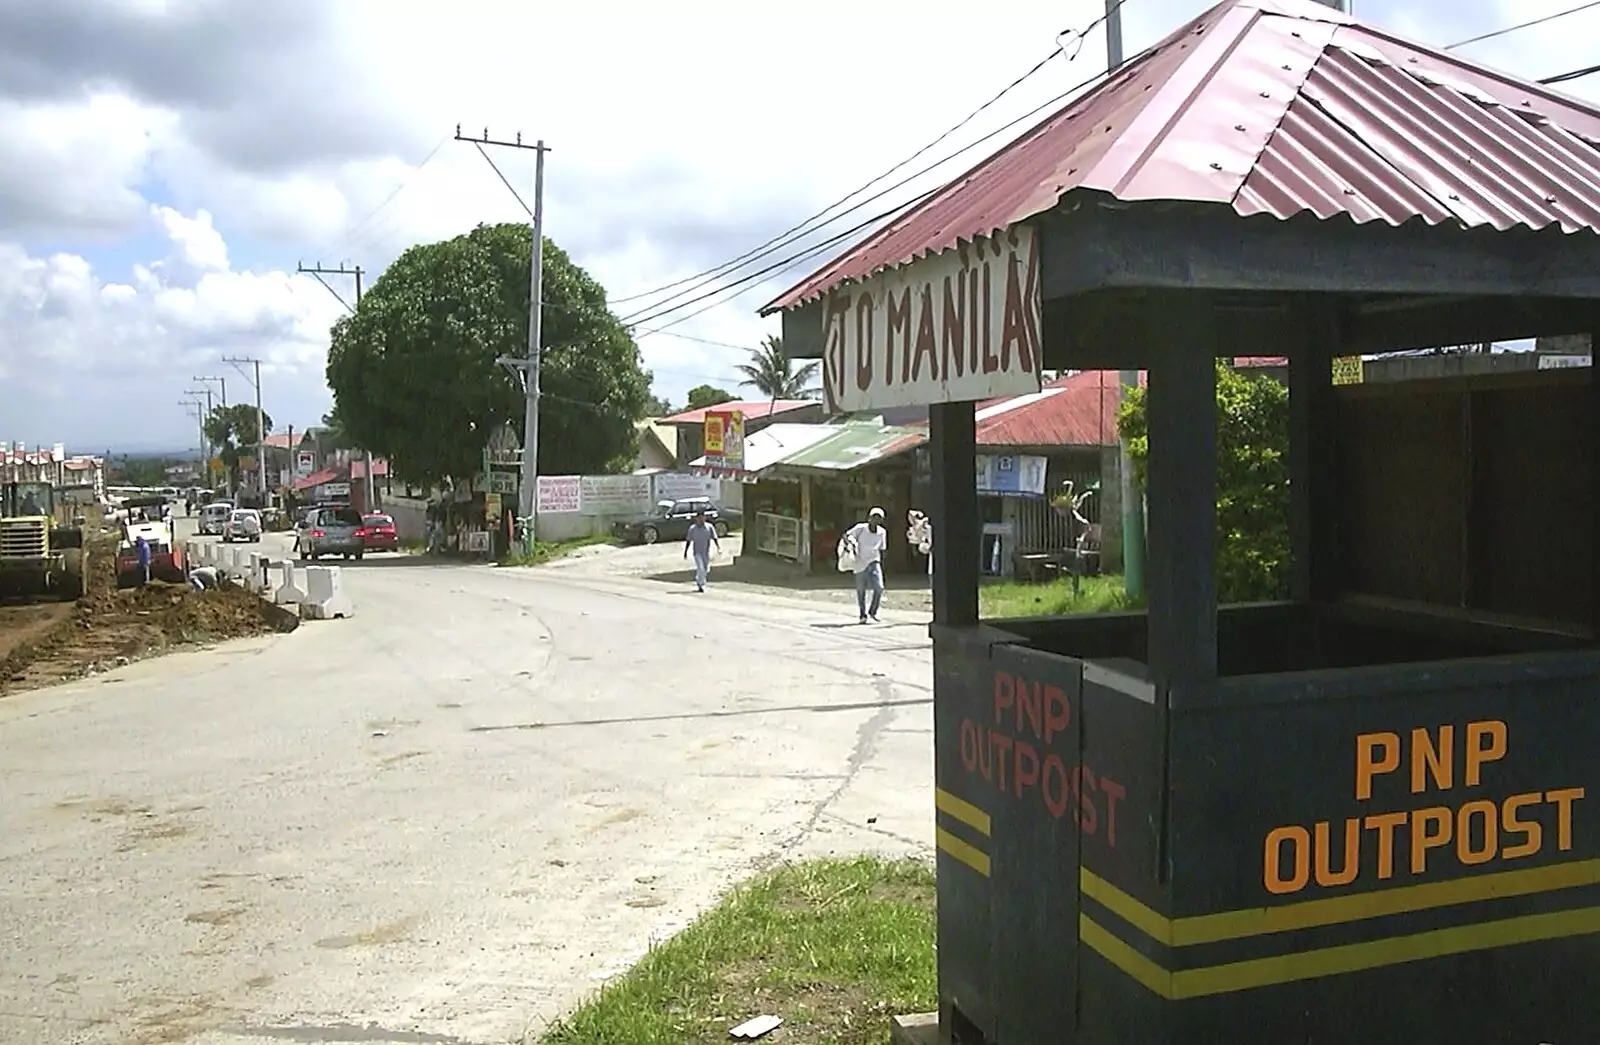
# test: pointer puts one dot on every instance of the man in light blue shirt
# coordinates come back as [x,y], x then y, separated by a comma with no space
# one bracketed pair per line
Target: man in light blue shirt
[702,535]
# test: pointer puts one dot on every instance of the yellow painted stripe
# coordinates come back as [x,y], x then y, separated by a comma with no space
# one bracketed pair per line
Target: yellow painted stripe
[962,850]
[1332,961]
[1310,914]
[962,810]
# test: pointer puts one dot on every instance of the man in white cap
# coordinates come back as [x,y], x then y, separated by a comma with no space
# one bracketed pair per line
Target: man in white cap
[865,543]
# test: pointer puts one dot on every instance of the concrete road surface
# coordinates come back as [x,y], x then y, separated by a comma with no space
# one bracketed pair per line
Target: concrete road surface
[443,821]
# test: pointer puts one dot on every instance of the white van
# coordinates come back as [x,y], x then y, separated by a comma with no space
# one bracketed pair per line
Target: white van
[213,516]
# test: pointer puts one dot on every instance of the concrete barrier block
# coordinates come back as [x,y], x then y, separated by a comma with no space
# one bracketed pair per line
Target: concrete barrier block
[325,595]
[258,571]
[285,592]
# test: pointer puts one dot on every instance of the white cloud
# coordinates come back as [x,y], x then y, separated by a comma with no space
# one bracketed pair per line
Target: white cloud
[680,139]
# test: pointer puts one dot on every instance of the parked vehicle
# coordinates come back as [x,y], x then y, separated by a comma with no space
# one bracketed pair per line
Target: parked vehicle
[243,524]
[670,521]
[330,531]
[378,533]
[213,517]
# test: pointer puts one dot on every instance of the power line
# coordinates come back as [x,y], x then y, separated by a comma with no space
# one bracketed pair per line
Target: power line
[791,233]
[1575,74]
[1523,25]
[661,310]
[350,231]
[503,181]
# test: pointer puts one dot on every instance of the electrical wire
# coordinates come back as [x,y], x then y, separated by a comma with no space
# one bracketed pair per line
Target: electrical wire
[656,314]
[503,179]
[789,235]
[1523,25]
[1575,74]
[350,231]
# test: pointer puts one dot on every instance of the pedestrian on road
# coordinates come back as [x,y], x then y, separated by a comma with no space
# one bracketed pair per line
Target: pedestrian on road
[864,543]
[142,548]
[702,535]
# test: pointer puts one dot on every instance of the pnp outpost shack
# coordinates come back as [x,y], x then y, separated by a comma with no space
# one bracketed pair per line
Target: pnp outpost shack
[1367,814]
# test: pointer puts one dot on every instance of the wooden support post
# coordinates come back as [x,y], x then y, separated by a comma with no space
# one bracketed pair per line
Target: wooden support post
[1313,453]
[952,444]
[1594,481]
[1182,494]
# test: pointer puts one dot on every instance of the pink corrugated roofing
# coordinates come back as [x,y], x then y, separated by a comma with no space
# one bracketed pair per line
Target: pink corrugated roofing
[1277,107]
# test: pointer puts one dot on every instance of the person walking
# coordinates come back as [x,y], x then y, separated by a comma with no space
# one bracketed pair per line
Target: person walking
[701,536]
[864,543]
[142,548]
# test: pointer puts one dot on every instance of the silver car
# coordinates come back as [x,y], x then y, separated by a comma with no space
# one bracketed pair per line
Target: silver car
[244,524]
[330,531]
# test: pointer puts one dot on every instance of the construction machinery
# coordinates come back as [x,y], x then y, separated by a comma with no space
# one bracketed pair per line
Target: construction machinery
[42,551]
[151,519]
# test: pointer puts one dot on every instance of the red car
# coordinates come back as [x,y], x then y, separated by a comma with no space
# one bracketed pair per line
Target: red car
[378,534]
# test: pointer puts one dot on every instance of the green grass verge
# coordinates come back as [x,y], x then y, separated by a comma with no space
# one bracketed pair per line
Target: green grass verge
[835,947]
[544,551]
[1010,599]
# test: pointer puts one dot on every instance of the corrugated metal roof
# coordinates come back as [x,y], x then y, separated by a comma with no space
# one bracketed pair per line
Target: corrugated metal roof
[852,446]
[750,408]
[1078,410]
[1277,107]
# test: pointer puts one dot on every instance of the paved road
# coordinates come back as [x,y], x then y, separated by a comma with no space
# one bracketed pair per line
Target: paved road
[444,820]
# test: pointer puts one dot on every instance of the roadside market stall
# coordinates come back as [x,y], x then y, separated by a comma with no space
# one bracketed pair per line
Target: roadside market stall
[1362,814]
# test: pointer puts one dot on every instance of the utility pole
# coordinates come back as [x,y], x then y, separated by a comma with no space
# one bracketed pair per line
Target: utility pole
[192,405]
[1128,381]
[318,271]
[528,368]
[254,377]
[222,384]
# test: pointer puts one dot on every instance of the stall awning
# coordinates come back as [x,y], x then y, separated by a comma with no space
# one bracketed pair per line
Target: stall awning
[764,449]
[847,447]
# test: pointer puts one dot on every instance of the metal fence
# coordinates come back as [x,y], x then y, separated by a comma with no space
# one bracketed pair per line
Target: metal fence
[1040,527]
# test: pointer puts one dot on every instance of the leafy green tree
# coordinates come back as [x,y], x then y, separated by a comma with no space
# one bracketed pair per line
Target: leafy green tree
[234,429]
[774,374]
[414,376]
[702,396]
[1252,553]
[656,406]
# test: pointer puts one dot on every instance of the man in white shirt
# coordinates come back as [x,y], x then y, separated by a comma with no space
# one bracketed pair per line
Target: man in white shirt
[865,543]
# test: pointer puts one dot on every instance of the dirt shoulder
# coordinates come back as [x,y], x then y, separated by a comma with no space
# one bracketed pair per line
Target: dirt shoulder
[46,643]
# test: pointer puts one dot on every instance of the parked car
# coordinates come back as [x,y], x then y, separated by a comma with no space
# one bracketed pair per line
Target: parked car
[214,516]
[243,524]
[670,522]
[378,533]
[330,531]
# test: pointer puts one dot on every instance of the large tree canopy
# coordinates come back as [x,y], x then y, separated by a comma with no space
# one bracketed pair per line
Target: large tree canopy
[707,395]
[414,376]
[234,430]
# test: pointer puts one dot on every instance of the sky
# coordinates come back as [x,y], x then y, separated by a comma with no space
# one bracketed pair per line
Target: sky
[168,164]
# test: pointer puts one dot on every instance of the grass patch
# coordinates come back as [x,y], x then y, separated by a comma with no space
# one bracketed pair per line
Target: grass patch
[544,551]
[835,947]
[1007,599]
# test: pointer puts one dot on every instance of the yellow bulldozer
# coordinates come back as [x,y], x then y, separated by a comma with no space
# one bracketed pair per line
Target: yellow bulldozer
[42,553]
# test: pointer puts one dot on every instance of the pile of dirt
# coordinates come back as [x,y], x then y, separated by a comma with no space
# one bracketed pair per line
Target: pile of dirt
[108,628]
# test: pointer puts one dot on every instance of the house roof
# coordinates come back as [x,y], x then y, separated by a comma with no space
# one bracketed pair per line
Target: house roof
[1077,410]
[750,408]
[326,475]
[358,467]
[281,440]
[854,445]
[1276,107]
[665,434]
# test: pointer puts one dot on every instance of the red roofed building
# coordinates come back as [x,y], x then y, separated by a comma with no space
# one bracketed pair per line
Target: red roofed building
[758,413]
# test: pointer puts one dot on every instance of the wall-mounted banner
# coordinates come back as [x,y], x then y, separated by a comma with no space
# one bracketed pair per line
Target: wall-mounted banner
[724,439]
[1011,475]
[558,493]
[615,494]
[958,326]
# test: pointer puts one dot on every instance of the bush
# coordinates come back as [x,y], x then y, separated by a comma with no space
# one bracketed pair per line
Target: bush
[1252,552]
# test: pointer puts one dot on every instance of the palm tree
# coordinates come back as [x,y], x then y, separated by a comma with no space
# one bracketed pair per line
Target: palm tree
[774,374]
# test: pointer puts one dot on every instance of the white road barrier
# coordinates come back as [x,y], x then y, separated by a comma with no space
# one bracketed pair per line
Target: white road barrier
[325,597]
[284,591]
[258,571]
